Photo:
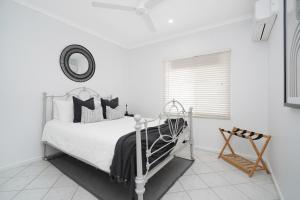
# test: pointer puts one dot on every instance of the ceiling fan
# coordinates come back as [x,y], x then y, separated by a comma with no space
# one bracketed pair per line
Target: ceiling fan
[143,10]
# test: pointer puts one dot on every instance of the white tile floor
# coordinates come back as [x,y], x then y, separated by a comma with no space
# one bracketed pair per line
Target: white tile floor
[208,179]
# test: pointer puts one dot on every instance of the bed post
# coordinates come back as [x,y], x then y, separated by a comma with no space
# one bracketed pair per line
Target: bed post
[44,109]
[139,180]
[44,122]
[191,133]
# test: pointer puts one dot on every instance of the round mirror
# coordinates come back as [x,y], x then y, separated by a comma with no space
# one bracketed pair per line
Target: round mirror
[77,63]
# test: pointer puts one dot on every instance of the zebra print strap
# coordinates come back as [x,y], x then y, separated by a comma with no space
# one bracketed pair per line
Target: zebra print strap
[258,137]
[244,133]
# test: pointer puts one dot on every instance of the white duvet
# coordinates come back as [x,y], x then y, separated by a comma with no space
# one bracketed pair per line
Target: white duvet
[94,142]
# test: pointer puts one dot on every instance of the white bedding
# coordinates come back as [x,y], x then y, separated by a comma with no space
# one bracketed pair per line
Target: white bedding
[94,142]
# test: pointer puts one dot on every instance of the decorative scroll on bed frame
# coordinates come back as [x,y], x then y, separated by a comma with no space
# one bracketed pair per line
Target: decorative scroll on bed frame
[172,110]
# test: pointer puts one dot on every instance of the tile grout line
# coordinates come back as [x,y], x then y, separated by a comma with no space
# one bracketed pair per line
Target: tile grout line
[255,185]
[188,194]
[229,184]
[11,177]
[23,189]
[211,188]
[208,187]
[52,186]
[242,192]
[217,172]
[234,185]
[184,189]
[75,192]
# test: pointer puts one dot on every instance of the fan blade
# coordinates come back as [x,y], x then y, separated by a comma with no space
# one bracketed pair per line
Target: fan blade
[149,22]
[113,6]
[152,3]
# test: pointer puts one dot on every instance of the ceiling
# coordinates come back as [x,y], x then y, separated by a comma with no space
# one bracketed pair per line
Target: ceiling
[129,31]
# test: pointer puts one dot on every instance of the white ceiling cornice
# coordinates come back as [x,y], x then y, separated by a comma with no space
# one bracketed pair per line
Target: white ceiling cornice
[68,22]
[150,42]
[193,31]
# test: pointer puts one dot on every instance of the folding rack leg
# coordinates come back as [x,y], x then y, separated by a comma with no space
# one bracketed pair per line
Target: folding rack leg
[227,140]
[259,154]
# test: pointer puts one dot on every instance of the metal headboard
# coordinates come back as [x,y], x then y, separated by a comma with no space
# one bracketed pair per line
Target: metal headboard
[81,93]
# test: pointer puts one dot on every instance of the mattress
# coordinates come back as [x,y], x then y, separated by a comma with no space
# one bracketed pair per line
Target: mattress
[93,142]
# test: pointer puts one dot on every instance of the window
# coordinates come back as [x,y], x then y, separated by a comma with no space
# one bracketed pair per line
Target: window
[201,82]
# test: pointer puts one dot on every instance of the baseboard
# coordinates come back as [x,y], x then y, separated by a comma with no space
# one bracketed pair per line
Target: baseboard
[18,164]
[206,149]
[275,180]
[251,157]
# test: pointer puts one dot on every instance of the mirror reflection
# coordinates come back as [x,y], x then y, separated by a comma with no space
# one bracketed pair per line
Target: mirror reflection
[78,63]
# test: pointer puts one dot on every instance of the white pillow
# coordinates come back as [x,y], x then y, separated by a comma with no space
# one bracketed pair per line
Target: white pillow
[116,113]
[97,103]
[63,110]
[91,116]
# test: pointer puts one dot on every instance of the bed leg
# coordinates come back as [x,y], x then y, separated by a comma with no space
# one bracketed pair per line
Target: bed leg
[139,180]
[191,133]
[140,188]
[45,152]
[44,123]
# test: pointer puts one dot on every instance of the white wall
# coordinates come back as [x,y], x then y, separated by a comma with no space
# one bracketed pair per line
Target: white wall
[249,70]
[30,46]
[283,121]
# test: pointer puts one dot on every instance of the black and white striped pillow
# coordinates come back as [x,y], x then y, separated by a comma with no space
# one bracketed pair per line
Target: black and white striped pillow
[115,113]
[91,116]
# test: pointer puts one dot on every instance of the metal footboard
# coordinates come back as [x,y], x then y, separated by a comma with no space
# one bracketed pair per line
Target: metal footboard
[173,110]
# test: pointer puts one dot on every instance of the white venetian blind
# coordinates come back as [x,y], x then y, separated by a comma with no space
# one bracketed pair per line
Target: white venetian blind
[201,82]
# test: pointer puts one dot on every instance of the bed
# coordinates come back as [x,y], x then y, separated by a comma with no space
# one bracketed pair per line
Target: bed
[95,143]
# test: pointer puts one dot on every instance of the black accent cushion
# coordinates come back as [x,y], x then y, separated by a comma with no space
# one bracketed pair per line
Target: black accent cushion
[77,107]
[111,103]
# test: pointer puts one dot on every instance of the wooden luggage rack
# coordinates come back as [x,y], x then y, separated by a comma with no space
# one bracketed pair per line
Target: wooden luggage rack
[240,162]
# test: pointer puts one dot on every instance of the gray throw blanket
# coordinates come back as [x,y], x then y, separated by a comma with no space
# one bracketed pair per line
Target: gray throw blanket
[123,167]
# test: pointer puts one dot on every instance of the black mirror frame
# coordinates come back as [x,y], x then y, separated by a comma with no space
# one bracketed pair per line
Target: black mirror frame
[64,63]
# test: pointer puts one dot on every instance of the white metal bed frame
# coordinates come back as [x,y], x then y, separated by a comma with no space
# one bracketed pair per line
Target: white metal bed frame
[172,110]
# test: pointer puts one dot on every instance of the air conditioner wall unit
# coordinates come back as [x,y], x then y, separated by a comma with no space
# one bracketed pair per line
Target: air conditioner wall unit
[264,19]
